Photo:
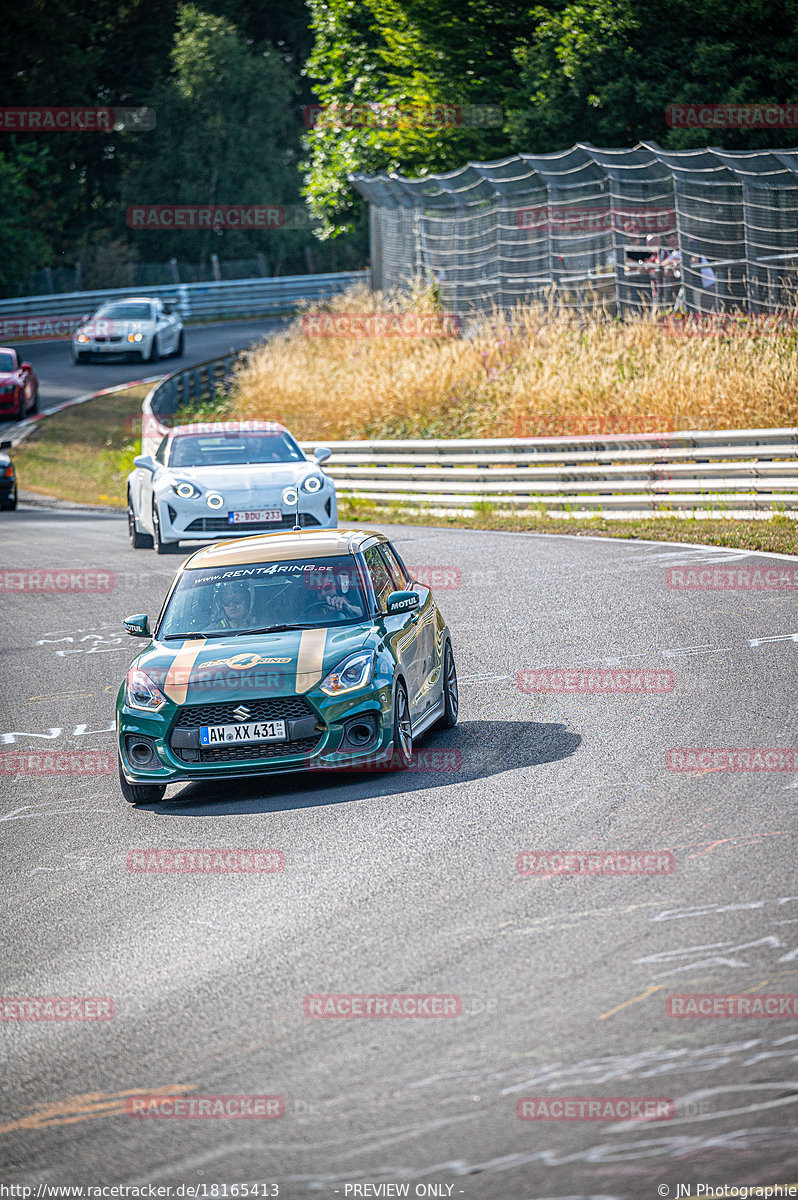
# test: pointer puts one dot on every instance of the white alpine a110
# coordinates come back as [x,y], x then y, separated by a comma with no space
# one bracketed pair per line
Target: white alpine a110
[223,480]
[147,328]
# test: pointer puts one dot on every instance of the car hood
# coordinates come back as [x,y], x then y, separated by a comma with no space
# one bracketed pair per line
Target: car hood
[118,326]
[247,478]
[7,377]
[291,663]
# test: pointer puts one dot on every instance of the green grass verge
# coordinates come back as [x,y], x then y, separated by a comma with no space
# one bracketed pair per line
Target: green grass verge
[85,454]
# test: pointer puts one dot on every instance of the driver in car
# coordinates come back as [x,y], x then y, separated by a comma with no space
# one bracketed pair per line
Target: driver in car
[236,605]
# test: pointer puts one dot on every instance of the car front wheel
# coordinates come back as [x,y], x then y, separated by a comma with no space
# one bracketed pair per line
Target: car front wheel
[402,730]
[161,547]
[140,793]
[155,352]
[139,541]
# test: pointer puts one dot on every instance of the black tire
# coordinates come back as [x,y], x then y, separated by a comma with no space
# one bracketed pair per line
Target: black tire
[451,695]
[181,345]
[35,405]
[140,793]
[155,352]
[402,730]
[78,359]
[161,547]
[10,504]
[139,541]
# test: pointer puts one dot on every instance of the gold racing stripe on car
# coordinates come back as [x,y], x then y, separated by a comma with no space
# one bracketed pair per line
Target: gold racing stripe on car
[310,658]
[176,684]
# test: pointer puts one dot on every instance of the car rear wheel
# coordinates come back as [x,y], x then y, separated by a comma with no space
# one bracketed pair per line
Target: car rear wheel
[139,541]
[402,730]
[10,504]
[161,547]
[451,696]
[140,793]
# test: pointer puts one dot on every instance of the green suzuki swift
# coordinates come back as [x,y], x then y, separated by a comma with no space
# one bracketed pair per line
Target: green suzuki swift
[284,652]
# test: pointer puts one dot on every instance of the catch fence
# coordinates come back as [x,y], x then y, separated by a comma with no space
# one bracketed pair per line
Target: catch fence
[701,231]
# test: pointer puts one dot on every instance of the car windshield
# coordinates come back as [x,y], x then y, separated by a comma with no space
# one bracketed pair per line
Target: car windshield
[124,312]
[7,362]
[229,449]
[310,593]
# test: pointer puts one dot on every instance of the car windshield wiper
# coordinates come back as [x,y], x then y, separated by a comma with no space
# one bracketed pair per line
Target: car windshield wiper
[219,633]
[282,628]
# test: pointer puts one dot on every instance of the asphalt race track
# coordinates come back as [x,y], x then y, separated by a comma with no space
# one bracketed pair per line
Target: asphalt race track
[60,379]
[408,884]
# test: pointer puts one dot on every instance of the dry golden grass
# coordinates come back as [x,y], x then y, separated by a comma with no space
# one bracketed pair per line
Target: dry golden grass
[541,373]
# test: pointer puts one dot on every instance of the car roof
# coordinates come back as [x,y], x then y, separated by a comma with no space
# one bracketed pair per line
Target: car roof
[8,350]
[226,427]
[280,547]
[133,300]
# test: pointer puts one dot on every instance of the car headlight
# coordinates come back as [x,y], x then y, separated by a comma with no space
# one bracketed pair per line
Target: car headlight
[311,484]
[141,692]
[353,673]
[214,500]
[82,338]
[134,337]
[186,491]
[290,496]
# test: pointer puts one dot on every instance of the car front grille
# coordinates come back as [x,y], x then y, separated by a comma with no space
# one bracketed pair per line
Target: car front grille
[222,525]
[277,708]
[250,752]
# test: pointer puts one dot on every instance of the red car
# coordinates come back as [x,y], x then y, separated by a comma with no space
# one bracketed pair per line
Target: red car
[19,387]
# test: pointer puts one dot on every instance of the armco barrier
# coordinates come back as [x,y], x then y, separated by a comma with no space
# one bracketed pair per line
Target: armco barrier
[196,301]
[735,472]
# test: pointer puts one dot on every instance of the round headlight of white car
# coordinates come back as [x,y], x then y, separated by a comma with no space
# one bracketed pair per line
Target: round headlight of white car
[311,484]
[214,500]
[290,496]
[134,337]
[186,490]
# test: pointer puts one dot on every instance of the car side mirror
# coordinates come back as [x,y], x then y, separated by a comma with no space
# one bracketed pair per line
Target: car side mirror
[168,309]
[399,602]
[137,626]
[6,445]
[321,454]
[26,366]
[145,461]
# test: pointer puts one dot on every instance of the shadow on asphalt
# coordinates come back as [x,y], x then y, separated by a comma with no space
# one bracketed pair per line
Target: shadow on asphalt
[473,750]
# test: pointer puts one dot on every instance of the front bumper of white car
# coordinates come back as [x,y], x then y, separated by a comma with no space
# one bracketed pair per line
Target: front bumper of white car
[112,343]
[192,520]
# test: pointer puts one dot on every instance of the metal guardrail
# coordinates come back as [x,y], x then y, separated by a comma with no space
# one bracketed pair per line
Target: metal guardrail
[734,472]
[196,301]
